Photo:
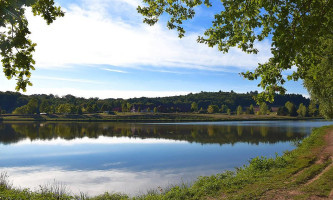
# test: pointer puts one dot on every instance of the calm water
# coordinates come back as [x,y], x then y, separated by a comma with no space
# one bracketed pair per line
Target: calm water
[132,158]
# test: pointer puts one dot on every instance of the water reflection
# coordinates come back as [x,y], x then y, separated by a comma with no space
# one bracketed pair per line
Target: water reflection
[133,158]
[98,181]
[204,134]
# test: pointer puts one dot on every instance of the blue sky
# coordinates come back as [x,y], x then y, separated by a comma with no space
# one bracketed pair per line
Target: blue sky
[102,49]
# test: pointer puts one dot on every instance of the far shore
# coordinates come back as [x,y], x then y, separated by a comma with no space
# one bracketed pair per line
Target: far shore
[147,117]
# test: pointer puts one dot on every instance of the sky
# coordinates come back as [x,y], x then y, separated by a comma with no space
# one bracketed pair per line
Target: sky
[101,48]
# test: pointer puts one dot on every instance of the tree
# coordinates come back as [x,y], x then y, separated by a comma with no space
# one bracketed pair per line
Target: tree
[194,107]
[313,111]
[202,110]
[263,108]
[319,81]
[283,111]
[30,108]
[299,31]
[15,46]
[105,107]
[291,108]
[229,111]
[155,110]
[90,109]
[302,110]
[65,108]
[79,110]
[250,110]
[45,106]
[239,110]
[124,107]
[224,108]
[213,109]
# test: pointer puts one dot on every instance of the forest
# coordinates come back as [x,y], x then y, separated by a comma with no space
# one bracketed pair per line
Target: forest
[203,102]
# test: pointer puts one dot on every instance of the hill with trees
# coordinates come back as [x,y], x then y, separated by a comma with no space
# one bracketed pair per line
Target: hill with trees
[203,102]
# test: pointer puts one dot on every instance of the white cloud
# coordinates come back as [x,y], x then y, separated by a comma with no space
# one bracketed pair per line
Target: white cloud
[104,32]
[114,70]
[67,79]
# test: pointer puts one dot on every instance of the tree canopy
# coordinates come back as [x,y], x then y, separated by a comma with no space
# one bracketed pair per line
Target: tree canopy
[15,46]
[301,32]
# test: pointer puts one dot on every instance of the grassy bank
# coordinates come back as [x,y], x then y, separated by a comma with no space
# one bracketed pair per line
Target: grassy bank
[145,117]
[306,172]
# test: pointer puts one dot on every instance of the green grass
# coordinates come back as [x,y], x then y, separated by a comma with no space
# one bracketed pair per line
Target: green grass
[322,186]
[310,172]
[262,178]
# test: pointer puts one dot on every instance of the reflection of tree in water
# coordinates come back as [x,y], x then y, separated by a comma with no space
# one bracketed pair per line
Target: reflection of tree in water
[210,131]
[289,132]
[240,130]
[264,131]
[8,135]
[226,134]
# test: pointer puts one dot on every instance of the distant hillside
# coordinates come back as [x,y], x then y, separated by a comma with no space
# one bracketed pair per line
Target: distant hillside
[9,101]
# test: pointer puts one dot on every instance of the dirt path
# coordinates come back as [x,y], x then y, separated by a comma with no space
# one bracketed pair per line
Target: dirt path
[325,154]
[328,150]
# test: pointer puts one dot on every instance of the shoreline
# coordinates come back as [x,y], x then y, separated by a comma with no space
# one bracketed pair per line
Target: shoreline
[148,118]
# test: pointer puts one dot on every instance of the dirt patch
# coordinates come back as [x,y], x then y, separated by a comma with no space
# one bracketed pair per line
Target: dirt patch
[328,149]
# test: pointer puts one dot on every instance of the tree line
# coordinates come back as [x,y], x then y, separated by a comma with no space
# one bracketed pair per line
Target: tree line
[203,102]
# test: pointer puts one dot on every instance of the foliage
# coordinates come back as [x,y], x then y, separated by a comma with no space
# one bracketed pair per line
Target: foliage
[9,101]
[31,108]
[313,110]
[263,108]
[213,109]
[239,110]
[15,47]
[302,110]
[65,108]
[319,78]
[250,110]
[194,107]
[282,111]
[45,107]
[224,108]
[299,30]
[291,108]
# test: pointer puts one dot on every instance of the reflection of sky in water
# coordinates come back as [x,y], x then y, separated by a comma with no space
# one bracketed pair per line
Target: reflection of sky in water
[131,165]
[125,167]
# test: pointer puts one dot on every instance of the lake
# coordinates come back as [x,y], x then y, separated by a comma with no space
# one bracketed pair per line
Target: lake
[132,158]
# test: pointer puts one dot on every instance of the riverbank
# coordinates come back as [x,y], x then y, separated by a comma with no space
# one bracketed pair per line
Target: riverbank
[305,173]
[147,117]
